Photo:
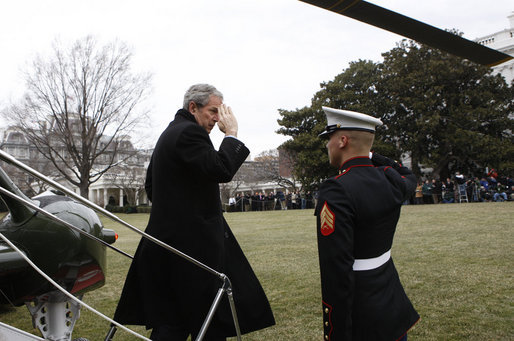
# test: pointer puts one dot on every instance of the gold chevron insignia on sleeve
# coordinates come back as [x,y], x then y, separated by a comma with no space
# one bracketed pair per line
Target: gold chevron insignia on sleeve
[327,220]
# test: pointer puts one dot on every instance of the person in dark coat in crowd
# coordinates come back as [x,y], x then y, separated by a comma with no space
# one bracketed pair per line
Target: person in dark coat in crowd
[255,201]
[448,191]
[246,202]
[357,213]
[437,191]
[163,291]
[427,192]
[289,202]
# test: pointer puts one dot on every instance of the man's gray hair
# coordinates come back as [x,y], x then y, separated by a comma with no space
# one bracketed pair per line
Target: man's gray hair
[200,93]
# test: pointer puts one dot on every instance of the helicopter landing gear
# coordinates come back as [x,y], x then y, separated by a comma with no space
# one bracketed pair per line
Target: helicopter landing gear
[54,314]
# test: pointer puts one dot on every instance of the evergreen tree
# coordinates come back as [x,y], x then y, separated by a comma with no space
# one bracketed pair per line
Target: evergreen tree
[354,89]
[449,114]
[446,113]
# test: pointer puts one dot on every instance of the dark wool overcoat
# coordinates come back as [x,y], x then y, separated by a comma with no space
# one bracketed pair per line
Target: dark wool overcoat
[357,212]
[183,184]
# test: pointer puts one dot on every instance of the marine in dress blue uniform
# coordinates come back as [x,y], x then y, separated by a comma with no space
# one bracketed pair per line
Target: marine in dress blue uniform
[357,213]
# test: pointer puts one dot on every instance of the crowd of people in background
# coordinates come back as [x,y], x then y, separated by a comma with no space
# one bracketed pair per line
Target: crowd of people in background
[456,189]
[490,187]
[260,201]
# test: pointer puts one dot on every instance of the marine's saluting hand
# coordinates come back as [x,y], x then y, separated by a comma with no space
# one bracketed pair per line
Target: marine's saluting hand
[227,121]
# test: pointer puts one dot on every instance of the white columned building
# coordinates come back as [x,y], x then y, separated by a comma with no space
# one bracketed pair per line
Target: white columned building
[502,41]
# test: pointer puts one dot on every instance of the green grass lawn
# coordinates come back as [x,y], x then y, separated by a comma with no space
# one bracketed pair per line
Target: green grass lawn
[455,261]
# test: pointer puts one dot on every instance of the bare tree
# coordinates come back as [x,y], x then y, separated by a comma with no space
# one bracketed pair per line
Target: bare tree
[130,179]
[28,184]
[229,189]
[14,142]
[271,166]
[80,105]
[268,168]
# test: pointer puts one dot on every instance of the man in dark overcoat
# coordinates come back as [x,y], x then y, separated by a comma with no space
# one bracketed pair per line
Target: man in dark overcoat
[357,212]
[163,291]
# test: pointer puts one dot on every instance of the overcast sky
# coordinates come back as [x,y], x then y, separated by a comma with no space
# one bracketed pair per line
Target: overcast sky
[263,55]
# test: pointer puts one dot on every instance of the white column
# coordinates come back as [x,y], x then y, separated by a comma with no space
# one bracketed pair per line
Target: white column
[106,200]
[121,198]
[145,199]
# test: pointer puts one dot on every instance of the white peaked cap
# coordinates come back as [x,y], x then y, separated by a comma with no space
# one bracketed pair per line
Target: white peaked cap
[348,120]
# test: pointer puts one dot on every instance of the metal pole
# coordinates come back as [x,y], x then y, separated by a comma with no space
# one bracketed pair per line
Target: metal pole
[226,282]
[230,296]
[111,333]
[9,159]
[226,288]
[210,315]
[59,220]
[56,285]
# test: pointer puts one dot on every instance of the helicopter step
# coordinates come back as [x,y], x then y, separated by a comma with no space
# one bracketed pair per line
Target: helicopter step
[54,315]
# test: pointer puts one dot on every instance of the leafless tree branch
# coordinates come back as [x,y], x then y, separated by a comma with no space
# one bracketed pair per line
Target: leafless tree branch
[80,104]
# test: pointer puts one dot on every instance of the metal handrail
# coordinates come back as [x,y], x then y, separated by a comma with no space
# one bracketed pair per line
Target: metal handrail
[226,286]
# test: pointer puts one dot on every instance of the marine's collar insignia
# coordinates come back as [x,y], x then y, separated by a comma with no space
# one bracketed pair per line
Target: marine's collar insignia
[327,219]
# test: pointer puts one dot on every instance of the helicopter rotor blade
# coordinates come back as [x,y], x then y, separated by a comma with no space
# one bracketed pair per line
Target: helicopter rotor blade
[413,29]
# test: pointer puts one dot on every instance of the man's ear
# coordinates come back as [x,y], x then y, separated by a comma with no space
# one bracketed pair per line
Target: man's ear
[192,107]
[343,141]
